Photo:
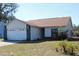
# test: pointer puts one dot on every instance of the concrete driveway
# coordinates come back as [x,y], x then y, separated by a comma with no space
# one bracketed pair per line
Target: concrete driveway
[4,43]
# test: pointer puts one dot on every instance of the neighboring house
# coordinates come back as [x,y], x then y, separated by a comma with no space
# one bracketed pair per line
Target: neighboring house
[1,29]
[39,29]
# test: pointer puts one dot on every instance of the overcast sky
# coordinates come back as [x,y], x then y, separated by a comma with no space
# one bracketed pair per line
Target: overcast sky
[32,11]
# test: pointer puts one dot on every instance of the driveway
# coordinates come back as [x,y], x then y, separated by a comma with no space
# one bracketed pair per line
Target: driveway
[4,43]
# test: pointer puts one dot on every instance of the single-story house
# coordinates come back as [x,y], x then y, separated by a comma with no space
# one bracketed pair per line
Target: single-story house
[39,29]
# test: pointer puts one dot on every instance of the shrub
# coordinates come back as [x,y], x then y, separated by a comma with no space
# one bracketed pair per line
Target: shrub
[67,48]
[76,33]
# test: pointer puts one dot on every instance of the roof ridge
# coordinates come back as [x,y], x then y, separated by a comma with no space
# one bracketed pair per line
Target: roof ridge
[50,18]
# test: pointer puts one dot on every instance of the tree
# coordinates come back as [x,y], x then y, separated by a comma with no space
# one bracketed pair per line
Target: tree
[76,30]
[6,14]
[7,10]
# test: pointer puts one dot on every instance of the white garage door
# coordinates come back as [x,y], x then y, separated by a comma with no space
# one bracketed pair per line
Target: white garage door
[16,35]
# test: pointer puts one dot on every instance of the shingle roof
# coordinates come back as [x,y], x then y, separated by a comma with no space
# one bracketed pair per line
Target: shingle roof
[50,22]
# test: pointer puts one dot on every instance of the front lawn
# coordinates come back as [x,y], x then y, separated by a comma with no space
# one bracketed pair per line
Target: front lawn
[32,49]
[1,39]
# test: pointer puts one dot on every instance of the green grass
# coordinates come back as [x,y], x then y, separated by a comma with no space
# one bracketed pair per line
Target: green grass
[46,48]
[1,39]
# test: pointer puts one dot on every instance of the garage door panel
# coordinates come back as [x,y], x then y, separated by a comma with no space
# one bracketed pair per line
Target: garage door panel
[16,35]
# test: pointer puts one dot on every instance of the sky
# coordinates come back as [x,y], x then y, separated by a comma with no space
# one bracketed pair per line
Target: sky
[30,11]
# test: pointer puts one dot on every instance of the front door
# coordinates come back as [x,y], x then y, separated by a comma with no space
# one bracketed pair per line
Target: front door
[28,33]
[54,33]
[42,33]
